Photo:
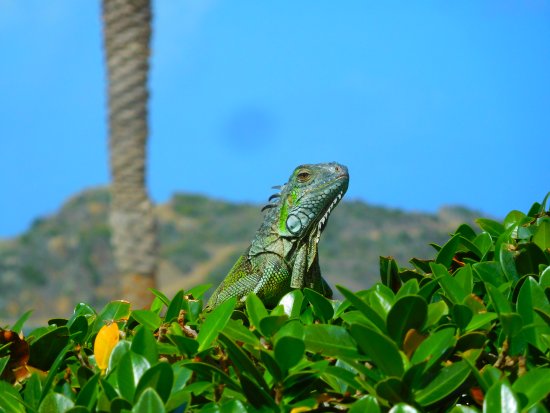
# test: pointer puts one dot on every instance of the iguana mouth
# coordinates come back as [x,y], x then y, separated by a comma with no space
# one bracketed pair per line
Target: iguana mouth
[324,218]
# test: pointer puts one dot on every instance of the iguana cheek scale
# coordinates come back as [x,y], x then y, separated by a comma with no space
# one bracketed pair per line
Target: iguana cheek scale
[283,254]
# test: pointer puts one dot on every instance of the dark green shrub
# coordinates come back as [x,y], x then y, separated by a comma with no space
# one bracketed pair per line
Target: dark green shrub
[464,332]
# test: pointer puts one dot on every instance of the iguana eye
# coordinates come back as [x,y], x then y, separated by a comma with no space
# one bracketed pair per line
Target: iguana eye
[304,176]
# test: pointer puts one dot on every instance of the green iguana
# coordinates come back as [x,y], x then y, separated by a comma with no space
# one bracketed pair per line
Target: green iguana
[283,254]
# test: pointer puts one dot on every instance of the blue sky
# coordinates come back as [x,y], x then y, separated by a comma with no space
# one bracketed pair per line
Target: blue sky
[428,103]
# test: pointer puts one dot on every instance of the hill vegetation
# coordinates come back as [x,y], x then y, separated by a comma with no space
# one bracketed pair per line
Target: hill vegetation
[67,258]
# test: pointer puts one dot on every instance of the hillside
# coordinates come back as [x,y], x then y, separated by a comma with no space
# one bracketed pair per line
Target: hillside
[66,258]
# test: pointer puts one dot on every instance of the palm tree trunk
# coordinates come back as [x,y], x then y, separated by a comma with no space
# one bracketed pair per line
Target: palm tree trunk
[127,33]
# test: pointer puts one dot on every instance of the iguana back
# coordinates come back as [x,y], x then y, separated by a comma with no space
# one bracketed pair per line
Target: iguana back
[283,254]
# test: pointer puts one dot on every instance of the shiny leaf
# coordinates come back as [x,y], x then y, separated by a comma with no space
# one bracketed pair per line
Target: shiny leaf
[535,385]
[130,369]
[501,398]
[329,340]
[149,401]
[144,343]
[322,307]
[289,351]
[55,402]
[380,349]
[363,307]
[160,378]
[444,383]
[215,322]
[147,318]
[409,312]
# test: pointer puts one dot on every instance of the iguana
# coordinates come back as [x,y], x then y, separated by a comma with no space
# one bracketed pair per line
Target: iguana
[283,254]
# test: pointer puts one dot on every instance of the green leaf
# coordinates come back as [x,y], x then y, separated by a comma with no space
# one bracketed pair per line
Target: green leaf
[346,375]
[149,401]
[484,242]
[147,318]
[436,311]
[87,396]
[528,259]
[32,393]
[465,278]
[242,361]
[45,349]
[511,323]
[411,287]
[55,402]
[462,315]
[471,247]
[389,273]
[78,409]
[212,373]
[489,272]
[322,307]
[381,299]
[78,329]
[10,399]
[535,385]
[392,389]
[173,310]
[542,236]
[531,295]
[453,290]
[403,408]
[121,348]
[160,295]
[235,330]
[501,398]
[144,343]
[198,291]
[187,347]
[435,347]
[330,340]
[409,312]
[130,369]
[256,395]
[379,348]
[362,306]
[444,383]
[500,303]
[271,324]
[480,320]
[366,404]
[160,378]
[448,251]
[256,310]
[289,351]
[507,261]
[271,365]
[3,363]
[113,311]
[490,226]
[215,322]
[292,303]
[18,325]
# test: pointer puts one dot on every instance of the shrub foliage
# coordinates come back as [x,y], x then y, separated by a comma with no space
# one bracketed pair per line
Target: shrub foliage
[467,331]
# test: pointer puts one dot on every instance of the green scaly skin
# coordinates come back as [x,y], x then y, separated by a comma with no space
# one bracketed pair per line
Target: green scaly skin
[283,254]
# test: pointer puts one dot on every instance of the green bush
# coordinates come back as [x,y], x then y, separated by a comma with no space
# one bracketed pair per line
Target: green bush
[468,331]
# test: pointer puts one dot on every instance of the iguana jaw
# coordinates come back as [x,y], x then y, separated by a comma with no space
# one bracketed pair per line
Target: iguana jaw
[324,218]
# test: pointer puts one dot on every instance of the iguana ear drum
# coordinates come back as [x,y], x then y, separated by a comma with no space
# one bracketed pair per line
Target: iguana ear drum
[293,224]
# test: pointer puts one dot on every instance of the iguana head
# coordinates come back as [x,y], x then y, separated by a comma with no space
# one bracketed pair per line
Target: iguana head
[308,198]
